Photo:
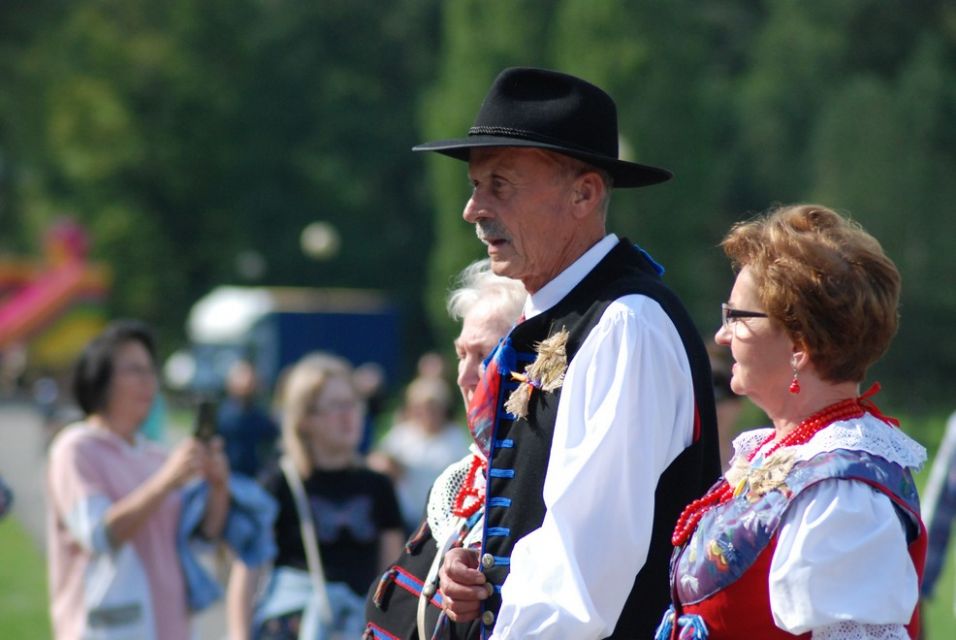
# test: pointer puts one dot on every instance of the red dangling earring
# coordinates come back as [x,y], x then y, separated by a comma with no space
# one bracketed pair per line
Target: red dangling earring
[795,383]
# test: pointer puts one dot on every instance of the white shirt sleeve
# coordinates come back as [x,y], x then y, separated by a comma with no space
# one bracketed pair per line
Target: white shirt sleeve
[626,412]
[841,568]
[87,523]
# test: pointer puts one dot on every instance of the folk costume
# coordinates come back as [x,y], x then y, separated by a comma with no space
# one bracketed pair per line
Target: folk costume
[818,536]
[405,603]
[596,412]
[621,428]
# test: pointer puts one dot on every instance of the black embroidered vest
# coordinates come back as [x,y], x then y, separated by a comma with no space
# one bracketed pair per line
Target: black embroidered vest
[521,449]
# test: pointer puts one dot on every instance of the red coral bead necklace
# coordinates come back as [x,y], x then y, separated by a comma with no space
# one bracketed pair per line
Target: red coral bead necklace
[723,492]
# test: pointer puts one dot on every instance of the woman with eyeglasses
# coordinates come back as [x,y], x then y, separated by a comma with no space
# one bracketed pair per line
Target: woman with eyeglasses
[814,531]
[113,501]
[353,526]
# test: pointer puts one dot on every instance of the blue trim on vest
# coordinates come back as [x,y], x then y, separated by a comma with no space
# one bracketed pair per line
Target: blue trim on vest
[657,266]
[508,359]
[501,473]
[504,560]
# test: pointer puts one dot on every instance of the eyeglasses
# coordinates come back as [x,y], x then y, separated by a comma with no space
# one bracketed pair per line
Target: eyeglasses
[728,315]
[135,370]
[336,407]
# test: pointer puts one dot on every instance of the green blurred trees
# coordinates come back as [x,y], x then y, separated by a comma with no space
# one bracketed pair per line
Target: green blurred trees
[187,132]
[750,103]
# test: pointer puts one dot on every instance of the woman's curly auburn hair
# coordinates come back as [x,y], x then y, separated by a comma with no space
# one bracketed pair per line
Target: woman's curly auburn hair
[825,280]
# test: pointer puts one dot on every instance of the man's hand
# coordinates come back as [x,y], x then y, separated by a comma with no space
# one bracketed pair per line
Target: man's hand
[463,586]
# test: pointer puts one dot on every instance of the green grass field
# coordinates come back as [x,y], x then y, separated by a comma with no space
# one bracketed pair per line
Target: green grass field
[938,616]
[23,597]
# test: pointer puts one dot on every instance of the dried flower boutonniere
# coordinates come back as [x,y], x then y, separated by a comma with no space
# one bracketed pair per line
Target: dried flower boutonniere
[772,474]
[545,373]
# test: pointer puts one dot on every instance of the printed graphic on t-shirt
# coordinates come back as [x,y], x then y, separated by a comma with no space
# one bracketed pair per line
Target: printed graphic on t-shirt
[352,516]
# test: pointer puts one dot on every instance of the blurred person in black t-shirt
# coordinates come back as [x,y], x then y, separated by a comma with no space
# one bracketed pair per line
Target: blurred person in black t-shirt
[354,511]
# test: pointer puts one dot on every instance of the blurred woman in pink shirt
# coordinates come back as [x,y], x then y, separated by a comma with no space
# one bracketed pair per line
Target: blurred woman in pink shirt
[113,501]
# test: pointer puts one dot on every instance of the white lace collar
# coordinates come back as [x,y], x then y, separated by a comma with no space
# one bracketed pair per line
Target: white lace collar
[866,433]
[441,500]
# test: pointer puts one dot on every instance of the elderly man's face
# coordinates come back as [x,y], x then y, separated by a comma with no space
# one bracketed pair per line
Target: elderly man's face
[521,208]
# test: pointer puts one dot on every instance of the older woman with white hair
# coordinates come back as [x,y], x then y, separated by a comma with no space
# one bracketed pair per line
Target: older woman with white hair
[405,603]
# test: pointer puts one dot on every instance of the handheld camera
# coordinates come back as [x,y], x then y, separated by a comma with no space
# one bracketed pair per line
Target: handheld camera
[205,426]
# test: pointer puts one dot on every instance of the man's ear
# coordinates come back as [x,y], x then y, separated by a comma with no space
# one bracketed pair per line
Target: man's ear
[587,193]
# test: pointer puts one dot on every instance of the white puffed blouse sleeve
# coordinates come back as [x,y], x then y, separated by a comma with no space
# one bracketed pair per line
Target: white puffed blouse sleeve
[841,568]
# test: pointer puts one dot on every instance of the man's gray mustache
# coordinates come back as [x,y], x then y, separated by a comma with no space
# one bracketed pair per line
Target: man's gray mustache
[485,229]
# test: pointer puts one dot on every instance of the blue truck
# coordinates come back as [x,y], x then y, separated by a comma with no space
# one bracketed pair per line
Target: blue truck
[275,326]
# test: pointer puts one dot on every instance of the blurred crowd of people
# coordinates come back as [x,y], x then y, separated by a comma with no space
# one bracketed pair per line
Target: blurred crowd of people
[117,497]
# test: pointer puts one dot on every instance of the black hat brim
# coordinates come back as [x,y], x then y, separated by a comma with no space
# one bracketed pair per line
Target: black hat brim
[624,174]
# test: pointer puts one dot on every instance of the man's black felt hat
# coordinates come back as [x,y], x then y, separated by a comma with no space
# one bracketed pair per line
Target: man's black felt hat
[528,107]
